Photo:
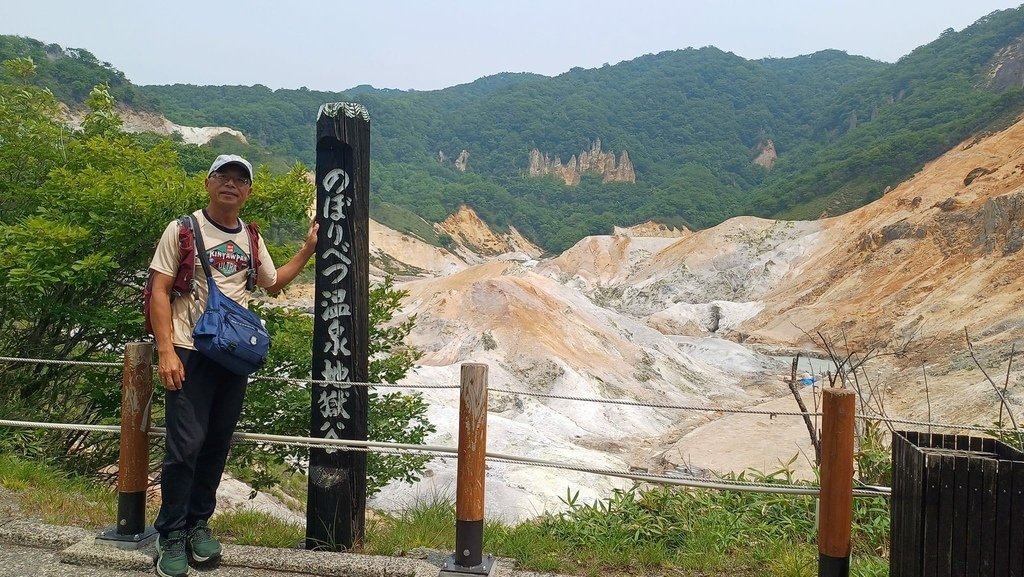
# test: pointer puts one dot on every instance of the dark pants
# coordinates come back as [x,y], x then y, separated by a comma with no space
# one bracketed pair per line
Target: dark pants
[201,418]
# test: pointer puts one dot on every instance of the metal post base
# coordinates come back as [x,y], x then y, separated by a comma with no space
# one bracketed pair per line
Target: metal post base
[129,542]
[452,569]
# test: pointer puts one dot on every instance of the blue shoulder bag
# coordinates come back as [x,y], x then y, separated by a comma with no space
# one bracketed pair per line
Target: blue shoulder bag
[227,332]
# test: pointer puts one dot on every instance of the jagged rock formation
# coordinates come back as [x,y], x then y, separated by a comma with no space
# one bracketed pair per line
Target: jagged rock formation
[766,155]
[680,319]
[593,160]
[462,162]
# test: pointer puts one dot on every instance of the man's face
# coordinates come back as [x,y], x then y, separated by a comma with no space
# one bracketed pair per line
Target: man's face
[228,187]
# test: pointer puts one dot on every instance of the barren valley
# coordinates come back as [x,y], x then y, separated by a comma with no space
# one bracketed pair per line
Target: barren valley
[712,319]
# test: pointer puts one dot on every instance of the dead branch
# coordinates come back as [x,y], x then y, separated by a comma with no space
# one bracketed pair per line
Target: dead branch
[803,409]
[1006,383]
[927,396]
[1002,398]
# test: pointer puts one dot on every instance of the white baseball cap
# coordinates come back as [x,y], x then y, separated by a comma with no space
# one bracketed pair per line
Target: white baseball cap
[226,159]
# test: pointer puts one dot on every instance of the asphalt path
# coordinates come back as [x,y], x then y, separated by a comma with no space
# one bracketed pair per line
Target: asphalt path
[20,561]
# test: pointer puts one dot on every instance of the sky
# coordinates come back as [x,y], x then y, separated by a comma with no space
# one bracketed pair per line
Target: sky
[433,44]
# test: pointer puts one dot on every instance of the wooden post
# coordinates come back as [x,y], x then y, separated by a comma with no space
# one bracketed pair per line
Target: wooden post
[133,463]
[336,503]
[469,489]
[836,507]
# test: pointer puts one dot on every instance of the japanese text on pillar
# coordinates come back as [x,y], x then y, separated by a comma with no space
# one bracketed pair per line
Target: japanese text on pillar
[335,306]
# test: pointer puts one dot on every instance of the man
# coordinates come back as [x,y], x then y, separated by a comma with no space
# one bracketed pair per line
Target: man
[204,400]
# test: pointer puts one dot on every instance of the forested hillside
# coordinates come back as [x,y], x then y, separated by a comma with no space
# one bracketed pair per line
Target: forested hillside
[69,73]
[881,129]
[693,121]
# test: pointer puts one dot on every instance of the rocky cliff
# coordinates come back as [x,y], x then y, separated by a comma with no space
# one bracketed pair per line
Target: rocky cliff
[461,161]
[473,238]
[593,160]
[766,155]
[138,121]
[1007,69]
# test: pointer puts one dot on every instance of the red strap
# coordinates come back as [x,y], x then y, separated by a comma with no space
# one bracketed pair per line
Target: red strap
[254,248]
[187,257]
[254,245]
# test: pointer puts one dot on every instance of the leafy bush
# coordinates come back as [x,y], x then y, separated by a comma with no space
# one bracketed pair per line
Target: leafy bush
[80,212]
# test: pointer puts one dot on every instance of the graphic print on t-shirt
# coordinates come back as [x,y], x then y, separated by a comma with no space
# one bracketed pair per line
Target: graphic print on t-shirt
[228,258]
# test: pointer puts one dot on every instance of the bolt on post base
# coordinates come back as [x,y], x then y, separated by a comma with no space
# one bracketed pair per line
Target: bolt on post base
[451,568]
[131,541]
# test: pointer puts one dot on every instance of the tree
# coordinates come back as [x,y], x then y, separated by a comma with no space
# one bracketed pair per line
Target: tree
[80,215]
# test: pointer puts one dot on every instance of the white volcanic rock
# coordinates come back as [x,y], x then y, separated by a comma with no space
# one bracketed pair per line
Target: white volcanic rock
[140,121]
[703,318]
[542,337]
[388,246]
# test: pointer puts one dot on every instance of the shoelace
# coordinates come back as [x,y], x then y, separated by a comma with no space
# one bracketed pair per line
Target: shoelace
[174,546]
[202,532]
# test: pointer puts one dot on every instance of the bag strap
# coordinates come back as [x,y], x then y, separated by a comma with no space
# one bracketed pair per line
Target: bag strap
[252,275]
[200,247]
[184,281]
[213,293]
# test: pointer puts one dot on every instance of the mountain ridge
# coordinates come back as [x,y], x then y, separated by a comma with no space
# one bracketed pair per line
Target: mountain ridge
[694,122]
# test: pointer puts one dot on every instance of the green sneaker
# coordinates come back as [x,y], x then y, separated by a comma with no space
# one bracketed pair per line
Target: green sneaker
[172,562]
[201,544]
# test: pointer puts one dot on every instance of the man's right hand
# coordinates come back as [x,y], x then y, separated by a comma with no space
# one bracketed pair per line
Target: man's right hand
[172,372]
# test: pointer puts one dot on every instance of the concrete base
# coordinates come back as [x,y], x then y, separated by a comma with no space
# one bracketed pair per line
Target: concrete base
[87,553]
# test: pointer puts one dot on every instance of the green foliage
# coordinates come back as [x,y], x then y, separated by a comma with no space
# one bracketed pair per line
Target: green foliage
[19,70]
[690,119]
[880,129]
[69,73]
[50,494]
[649,531]
[81,211]
[1007,435]
[655,531]
[248,527]
[403,219]
[873,457]
[845,128]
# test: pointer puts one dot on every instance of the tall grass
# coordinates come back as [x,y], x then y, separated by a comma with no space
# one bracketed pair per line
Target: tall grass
[656,531]
[57,498]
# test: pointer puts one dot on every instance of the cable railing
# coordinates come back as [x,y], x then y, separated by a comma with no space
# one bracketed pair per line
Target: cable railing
[442,451]
[623,402]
